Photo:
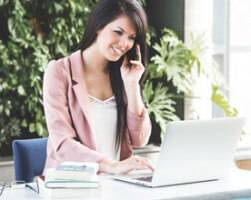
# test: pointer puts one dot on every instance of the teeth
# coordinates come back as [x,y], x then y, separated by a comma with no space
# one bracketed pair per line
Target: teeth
[117,50]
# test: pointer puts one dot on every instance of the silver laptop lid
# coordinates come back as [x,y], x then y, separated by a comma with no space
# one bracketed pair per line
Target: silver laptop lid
[197,150]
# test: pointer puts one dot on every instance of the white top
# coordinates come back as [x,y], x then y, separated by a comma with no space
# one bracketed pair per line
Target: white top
[103,119]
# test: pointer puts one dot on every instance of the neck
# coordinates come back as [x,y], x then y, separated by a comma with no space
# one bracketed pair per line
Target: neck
[94,61]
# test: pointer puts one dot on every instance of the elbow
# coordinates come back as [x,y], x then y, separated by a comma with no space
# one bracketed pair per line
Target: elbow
[142,139]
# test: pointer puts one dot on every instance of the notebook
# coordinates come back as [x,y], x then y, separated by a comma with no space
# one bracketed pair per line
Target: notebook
[193,151]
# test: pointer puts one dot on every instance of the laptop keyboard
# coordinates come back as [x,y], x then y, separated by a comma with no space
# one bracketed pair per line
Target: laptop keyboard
[147,178]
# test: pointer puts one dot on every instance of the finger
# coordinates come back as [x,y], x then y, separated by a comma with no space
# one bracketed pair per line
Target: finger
[142,163]
[126,166]
[136,163]
[148,164]
[138,52]
[136,62]
[127,170]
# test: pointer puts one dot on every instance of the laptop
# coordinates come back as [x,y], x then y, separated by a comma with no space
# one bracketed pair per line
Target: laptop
[193,151]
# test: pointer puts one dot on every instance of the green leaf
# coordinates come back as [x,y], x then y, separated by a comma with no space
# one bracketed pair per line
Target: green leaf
[174,61]
[32,127]
[160,104]
[220,100]
[21,90]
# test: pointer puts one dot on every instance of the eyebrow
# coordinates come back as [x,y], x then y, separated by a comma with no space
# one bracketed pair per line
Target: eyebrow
[133,34]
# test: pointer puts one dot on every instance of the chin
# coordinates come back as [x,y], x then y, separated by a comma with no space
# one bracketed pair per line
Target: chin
[113,58]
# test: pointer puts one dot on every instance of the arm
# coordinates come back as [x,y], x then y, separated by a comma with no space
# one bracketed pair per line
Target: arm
[139,129]
[61,133]
[138,120]
[134,99]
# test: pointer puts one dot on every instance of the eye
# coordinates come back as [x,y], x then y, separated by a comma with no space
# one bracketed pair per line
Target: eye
[118,32]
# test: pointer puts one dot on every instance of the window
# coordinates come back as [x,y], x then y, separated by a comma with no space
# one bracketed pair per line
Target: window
[232,47]
[228,24]
[240,57]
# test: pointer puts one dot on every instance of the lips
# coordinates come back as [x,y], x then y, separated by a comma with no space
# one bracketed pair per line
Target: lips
[117,51]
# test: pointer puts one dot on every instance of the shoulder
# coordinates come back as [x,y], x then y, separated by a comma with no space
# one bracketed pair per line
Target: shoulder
[56,66]
[63,65]
[56,74]
[66,68]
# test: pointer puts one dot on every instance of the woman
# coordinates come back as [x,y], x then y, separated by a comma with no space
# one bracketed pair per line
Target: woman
[92,99]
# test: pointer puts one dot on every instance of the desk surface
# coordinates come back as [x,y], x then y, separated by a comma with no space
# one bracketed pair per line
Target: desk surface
[238,184]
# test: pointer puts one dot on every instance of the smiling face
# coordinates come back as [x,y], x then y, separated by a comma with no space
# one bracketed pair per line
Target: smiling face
[116,38]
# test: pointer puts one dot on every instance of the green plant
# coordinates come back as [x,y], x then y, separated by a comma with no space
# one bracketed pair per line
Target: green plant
[176,65]
[160,103]
[169,67]
[173,61]
[210,70]
[32,33]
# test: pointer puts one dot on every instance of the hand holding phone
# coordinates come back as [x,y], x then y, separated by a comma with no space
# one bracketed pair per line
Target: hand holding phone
[133,54]
[132,69]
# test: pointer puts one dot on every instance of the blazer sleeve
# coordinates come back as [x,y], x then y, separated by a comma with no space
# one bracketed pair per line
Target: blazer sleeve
[62,136]
[139,128]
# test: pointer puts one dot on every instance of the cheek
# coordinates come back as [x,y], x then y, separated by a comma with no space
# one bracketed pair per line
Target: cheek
[108,36]
[103,42]
[103,37]
[130,46]
[108,42]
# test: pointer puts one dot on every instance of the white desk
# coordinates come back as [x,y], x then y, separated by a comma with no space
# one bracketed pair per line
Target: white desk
[237,181]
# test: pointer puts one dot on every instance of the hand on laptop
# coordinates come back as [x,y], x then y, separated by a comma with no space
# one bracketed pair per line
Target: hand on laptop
[125,166]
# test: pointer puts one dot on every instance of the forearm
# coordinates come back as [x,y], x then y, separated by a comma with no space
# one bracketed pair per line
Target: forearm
[138,121]
[135,103]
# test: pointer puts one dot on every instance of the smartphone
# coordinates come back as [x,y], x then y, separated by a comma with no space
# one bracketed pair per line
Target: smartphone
[132,53]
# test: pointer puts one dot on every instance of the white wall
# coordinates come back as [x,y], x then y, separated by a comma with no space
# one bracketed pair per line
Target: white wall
[199,20]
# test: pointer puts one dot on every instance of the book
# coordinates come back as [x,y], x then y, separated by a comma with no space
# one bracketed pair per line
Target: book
[70,184]
[77,171]
[65,193]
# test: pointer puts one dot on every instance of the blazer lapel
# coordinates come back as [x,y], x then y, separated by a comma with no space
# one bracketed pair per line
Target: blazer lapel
[78,77]
[79,87]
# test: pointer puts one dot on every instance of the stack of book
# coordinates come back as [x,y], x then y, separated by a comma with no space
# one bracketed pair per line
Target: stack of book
[70,180]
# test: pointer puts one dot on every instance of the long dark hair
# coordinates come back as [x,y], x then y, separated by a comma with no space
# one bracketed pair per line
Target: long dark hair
[105,12]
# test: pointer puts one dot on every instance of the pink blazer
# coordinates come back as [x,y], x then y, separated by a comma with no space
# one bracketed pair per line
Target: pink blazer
[66,102]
